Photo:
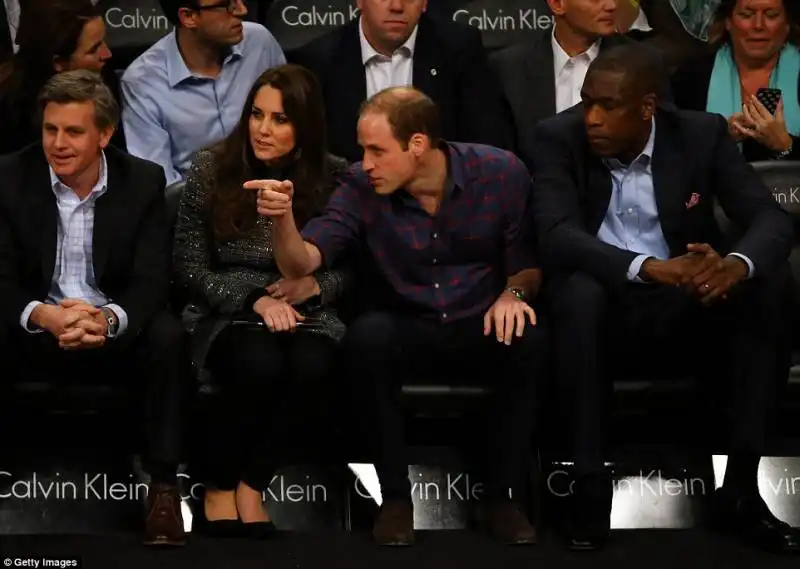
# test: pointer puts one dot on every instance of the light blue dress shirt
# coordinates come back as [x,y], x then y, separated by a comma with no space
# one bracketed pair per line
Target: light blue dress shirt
[631,221]
[169,113]
[73,273]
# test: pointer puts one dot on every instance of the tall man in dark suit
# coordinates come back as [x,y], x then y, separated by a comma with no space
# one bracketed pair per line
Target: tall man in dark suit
[84,273]
[394,44]
[544,77]
[624,203]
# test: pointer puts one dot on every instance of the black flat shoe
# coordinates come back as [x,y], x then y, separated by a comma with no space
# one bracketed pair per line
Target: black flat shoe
[257,530]
[749,519]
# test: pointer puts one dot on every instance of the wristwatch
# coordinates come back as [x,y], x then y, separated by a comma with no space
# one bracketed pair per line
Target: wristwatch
[518,292]
[113,322]
[785,153]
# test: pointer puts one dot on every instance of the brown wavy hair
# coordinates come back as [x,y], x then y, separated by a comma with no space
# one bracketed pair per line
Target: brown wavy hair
[48,30]
[232,208]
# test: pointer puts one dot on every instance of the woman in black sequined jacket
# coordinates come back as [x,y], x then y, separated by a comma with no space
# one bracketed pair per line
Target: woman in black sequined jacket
[269,342]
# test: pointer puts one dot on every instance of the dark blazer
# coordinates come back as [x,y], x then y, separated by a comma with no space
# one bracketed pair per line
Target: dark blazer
[131,247]
[6,45]
[449,66]
[528,81]
[690,87]
[692,154]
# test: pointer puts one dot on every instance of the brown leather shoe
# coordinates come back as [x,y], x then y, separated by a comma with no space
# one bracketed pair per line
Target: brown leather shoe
[164,522]
[508,524]
[394,525]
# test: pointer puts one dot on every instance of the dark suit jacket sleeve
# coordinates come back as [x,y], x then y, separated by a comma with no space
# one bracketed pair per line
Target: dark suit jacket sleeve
[565,243]
[744,198]
[483,117]
[148,287]
[13,297]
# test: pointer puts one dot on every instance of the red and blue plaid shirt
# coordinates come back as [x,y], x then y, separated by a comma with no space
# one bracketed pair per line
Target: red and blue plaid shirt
[448,266]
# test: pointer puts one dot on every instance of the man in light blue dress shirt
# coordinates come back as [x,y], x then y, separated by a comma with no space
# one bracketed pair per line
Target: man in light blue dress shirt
[186,92]
[642,281]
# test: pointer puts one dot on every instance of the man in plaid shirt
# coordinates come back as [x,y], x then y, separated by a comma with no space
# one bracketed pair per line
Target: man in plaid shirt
[446,226]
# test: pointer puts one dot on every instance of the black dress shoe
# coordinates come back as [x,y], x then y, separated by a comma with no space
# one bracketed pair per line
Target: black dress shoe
[394,525]
[749,518]
[508,524]
[589,523]
[258,530]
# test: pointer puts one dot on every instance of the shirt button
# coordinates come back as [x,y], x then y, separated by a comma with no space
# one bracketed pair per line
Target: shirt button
[630,210]
[436,236]
[435,285]
[444,314]
[434,261]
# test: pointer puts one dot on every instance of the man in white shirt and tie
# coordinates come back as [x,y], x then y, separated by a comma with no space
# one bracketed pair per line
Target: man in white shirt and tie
[394,43]
[544,77]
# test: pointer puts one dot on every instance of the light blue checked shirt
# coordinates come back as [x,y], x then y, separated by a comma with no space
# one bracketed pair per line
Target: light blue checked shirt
[631,221]
[169,113]
[73,273]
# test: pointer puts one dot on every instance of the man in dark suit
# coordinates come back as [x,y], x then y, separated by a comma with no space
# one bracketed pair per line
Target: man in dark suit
[84,273]
[544,77]
[392,44]
[9,20]
[641,275]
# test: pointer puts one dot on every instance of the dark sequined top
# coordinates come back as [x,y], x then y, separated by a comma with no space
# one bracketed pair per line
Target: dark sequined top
[220,278]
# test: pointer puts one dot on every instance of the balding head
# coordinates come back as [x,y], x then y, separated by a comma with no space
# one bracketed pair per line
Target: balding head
[397,128]
[408,111]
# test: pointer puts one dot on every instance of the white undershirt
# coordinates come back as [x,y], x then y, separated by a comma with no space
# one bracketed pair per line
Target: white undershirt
[383,71]
[12,15]
[570,73]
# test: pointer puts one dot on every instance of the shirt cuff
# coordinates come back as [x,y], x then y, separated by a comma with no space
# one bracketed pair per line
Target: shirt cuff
[750,267]
[26,316]
[635,267]
[122,316]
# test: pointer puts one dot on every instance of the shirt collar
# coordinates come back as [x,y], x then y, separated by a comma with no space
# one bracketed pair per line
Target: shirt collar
[646,155]
[560,57]
[368,52]
[177,70]
[641,24]
[100,187]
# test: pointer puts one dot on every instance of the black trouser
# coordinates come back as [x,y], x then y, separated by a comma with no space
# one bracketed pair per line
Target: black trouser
[154,362]
[596,330]
[273,388]
[382,349]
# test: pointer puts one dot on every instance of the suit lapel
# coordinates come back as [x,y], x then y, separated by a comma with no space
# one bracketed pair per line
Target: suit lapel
[541,76]
[44,212]
[427,65]
[349,88]
[668,183]
[599,185]
[108,214]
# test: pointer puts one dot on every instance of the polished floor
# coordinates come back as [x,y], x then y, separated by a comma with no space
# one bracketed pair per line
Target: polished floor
[654,549]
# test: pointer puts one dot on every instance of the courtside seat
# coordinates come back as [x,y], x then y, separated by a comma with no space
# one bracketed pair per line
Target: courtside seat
[75,397]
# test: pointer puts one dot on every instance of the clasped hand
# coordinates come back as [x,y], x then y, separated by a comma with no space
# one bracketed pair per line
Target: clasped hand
[506,316]
[75,323]
[274,196]
[278,315]
[701,271]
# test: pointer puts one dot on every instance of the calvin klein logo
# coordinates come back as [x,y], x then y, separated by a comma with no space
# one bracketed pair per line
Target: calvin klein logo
[293,16]
[504,21]
[137,19]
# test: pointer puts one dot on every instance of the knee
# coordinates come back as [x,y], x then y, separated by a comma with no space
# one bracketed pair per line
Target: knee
[165,335]
[579,296]
[373,330]
[311,367]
